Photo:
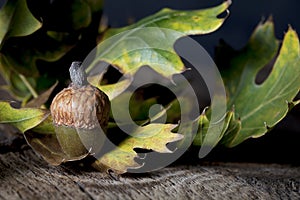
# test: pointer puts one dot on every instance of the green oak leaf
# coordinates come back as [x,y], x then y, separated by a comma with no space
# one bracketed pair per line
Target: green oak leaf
[19,54]
[151,40]
[259,107]
[23,54]
[81,14]
[14,84]
[203,125]
[233,129]
[202,132]
[111,90]
[151,137]
[16,20]
[45,127]
[23,118]
[20,58]
[189,22]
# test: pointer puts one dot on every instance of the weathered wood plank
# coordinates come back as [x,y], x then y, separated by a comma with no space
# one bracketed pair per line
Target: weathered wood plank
[24,175]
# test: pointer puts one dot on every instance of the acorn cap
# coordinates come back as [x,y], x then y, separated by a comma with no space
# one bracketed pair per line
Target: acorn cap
[81,105]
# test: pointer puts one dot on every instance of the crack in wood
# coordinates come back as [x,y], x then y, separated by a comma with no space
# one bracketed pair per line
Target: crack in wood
[82,188]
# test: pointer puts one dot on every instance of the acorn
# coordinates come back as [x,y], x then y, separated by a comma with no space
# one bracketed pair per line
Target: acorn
[80,115]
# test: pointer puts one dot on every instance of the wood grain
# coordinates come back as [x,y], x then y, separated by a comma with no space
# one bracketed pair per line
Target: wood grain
[24,175]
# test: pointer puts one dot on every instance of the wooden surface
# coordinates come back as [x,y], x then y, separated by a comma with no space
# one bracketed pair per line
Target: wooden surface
[25,175]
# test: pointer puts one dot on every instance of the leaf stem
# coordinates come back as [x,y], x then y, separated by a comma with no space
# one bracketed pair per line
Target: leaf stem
[29,87]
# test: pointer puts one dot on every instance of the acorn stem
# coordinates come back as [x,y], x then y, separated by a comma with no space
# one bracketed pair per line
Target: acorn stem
[78,75]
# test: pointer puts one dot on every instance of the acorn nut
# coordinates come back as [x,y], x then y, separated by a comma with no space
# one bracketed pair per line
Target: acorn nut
[77,112]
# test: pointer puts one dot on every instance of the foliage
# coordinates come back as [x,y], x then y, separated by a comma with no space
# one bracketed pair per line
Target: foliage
[153,136]
[253,108]
[259,106]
